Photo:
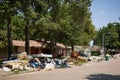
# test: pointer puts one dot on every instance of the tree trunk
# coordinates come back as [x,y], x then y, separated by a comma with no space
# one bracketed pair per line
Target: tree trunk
[72,47]
[9,37]
[27,37]
[52,49]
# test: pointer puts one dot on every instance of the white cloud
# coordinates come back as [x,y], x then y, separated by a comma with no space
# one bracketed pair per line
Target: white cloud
[102,12]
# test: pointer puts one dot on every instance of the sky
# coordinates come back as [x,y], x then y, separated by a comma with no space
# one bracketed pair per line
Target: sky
[104,12]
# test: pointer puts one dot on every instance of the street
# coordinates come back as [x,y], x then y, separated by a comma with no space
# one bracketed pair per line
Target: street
[105,70]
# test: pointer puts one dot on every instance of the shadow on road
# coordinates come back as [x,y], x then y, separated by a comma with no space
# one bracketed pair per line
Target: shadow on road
[103,77]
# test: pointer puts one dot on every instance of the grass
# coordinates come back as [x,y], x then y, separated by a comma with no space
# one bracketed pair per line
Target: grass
[17,71]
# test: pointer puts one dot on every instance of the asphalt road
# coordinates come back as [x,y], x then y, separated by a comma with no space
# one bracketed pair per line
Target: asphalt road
[105,70]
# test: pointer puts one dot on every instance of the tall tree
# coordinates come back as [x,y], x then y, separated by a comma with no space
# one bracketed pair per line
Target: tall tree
[29,9]
[67,21]
[8,9]
[81,24]
[112,40]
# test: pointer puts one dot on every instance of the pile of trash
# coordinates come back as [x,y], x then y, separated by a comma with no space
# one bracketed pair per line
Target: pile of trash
[18,64]
[34,62]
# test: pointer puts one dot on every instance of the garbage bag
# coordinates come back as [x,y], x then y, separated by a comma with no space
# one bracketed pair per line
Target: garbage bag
[22,56]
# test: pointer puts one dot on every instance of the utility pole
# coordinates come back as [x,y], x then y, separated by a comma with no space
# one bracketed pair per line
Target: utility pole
[103,44]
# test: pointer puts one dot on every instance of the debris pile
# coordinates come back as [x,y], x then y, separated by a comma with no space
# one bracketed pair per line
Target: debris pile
[34,62]
[21,63]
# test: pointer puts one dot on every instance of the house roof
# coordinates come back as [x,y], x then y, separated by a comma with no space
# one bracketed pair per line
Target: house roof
[18,43]
[60,45]
[32,43]
[79,47]
[94,48]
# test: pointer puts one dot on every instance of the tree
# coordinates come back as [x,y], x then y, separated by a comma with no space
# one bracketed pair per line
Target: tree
[47,26]
[26,11]
[66,21]
[112,41]
[18,27]
[81,25]
[29,9]
[8,9]
[3,30]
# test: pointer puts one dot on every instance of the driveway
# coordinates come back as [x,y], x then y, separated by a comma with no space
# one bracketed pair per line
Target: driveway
[105,70]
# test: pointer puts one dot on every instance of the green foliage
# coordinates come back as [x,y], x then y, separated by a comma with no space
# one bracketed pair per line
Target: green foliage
[8,9]
[65,21]
[82,29]
[18,28]
[95,54]
[112,40]
[2,32]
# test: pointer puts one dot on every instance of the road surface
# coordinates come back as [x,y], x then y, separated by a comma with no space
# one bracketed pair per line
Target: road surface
[105,70]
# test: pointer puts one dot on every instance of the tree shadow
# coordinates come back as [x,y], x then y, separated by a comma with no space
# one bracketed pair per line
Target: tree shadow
[103,77]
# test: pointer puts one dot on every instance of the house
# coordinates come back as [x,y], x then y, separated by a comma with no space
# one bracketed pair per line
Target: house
[61,49]
[3,51]
[58,49]
[36,48]
[78,48]
[19,46]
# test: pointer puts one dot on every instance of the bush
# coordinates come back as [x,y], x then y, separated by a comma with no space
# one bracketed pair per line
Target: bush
[95,54]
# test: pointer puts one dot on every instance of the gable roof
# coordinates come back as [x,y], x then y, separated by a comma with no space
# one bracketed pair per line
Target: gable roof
[32,43]
[60,45]
[18,43]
